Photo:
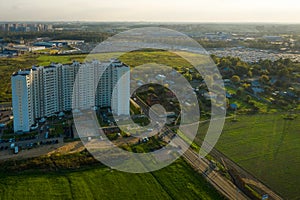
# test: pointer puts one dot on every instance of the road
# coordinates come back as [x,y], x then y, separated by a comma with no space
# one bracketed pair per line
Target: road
[222,184]
[203,166]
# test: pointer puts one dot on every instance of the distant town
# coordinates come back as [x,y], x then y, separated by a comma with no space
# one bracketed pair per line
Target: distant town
[249,46]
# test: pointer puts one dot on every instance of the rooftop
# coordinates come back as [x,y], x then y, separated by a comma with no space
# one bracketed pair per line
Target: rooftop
[24,72]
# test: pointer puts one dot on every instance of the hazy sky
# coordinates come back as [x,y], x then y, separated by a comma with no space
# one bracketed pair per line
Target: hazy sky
[152,10]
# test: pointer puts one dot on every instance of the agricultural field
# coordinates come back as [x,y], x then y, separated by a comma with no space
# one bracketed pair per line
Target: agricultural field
[178,181]
[267,146]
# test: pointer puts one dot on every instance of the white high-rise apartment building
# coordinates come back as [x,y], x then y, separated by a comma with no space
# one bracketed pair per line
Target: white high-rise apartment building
[122,88]
[23,100]
[45,91]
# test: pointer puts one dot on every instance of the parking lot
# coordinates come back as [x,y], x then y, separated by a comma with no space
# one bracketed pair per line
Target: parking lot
[30,149]
[37,141]
[27,143]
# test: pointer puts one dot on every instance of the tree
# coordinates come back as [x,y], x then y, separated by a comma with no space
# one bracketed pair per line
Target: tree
[250,74]
[241,70]
[248,98]
[151,89]
[224,62]
[283,72]
[188,76]
[239,92]
[227,103]
[235,79]
[246,86]
[264,79]
[266,64]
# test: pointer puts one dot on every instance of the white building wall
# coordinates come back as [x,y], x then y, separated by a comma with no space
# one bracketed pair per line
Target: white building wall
[121,94]
[68,79]
[37,92]
[22,102]
[50,80]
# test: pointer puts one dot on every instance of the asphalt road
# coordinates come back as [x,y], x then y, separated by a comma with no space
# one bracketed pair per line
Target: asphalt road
[203,166]
[222,184]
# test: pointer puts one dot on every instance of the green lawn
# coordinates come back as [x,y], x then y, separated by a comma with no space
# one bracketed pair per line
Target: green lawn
[267,146]
[45,60]
[177,181]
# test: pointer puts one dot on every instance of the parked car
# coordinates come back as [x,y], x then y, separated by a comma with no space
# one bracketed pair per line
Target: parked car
[16,150]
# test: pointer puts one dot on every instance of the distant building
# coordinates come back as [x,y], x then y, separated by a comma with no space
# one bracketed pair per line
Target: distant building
[45,91]
[273,38]
[67,42]
[10,52]
[31,27]
[44,44]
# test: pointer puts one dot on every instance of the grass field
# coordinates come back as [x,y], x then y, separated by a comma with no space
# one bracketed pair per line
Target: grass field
[177,181]
[11,65]
[267,146]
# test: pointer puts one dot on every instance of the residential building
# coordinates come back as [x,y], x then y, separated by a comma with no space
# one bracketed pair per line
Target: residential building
[42,92]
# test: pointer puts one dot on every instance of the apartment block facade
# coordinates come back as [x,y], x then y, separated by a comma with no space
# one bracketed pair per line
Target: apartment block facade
[42,92]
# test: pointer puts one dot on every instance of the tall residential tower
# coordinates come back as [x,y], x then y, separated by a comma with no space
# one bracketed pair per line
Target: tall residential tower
[45,91]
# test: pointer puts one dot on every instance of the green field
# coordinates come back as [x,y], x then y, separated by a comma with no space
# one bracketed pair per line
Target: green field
[177,181]
[268,147]
[10,65]
[265,145]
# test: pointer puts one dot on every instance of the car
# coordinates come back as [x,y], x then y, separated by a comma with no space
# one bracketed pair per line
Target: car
[145,139]
[11,140]
[16,150]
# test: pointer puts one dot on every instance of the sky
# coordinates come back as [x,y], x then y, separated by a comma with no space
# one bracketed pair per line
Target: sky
[282,11]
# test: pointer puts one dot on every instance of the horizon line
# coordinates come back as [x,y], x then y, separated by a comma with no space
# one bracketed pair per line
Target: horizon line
[149,22]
